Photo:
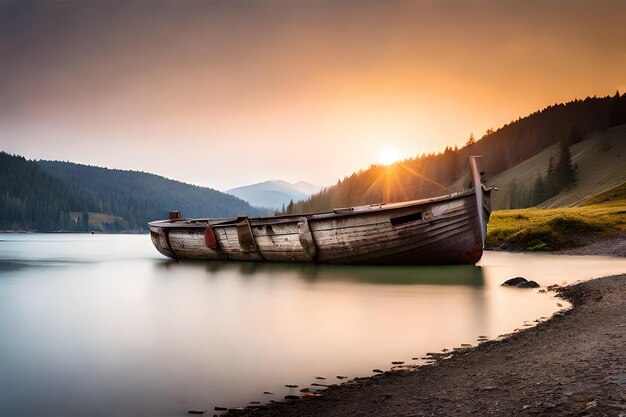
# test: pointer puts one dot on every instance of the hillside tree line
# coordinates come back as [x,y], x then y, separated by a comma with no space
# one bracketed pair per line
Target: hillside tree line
[58,196]
[435,174]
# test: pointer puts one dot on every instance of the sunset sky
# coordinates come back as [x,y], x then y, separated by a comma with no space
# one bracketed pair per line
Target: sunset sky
[228,93]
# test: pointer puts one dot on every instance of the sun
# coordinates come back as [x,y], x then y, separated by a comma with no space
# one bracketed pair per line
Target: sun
[388,154]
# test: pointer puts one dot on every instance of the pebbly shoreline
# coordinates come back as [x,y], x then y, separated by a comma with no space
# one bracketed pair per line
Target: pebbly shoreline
[571,365]
[614,245]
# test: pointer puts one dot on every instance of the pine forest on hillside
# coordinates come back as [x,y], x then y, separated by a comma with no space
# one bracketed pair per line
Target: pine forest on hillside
[59,196]
[445,172]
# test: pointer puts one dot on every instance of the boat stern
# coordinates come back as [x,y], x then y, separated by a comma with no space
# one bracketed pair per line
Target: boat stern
[160,240]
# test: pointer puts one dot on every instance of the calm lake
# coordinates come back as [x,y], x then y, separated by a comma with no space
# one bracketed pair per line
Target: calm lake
[103,325]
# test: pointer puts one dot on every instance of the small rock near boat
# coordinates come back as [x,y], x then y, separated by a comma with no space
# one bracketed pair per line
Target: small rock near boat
[528,284]
[514,282]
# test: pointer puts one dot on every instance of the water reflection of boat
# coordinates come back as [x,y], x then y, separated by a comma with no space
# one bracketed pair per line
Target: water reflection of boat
[400,275]
[469,275]
[442,230]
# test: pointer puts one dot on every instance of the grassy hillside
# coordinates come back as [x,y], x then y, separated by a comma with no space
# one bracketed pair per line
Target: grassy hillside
[101,222]
[536,229]
[600,159]
[612,195]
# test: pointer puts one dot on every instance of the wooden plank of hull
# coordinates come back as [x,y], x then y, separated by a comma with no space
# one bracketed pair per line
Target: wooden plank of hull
[283,246]
[412,244]
[306,239]
[190,244]
[454,244]
[160,239]
[247,244]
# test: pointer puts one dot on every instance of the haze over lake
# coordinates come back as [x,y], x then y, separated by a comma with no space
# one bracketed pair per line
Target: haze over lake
[103,325]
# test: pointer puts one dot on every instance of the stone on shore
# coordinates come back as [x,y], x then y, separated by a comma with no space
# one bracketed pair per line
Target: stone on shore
[520,282]
[528,284]
[514,282]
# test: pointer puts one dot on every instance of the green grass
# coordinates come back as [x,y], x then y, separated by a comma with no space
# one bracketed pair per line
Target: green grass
[535,229]
[99,221]
[613,194]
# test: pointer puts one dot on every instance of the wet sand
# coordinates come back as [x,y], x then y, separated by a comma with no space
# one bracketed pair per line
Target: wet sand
[571,365]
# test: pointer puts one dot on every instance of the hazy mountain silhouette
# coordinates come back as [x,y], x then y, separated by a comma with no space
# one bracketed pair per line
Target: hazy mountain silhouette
[275,193]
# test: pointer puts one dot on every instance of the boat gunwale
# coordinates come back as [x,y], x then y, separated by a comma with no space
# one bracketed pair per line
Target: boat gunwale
[196,223]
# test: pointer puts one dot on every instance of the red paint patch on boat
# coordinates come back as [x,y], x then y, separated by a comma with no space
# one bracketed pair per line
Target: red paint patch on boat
[209,238]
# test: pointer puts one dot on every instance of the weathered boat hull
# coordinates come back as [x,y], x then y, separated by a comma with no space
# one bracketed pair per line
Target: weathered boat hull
[443,230]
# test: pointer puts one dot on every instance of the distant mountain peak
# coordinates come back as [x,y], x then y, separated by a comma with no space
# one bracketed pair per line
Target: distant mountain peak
[274,193]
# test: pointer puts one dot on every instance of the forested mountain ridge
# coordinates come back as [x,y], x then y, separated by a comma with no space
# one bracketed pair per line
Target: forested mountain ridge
[43,195]
[513,143]
[30,199]
[599,161]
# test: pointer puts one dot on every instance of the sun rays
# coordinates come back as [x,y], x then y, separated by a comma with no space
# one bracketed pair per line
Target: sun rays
[389,183]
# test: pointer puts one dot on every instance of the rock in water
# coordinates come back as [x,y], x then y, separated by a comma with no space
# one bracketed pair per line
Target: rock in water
[528,284]
[514,282]
[196,411]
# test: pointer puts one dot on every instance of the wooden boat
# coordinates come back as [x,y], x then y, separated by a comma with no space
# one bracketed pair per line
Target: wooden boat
[443,230]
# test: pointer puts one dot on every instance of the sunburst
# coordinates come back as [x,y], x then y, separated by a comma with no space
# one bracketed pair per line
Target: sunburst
[388,154]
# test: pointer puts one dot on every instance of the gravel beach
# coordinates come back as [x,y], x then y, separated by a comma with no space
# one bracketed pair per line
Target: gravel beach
[614,245]
[571,365]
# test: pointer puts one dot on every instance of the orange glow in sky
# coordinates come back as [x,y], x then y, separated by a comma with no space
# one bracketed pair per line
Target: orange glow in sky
[226,93]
